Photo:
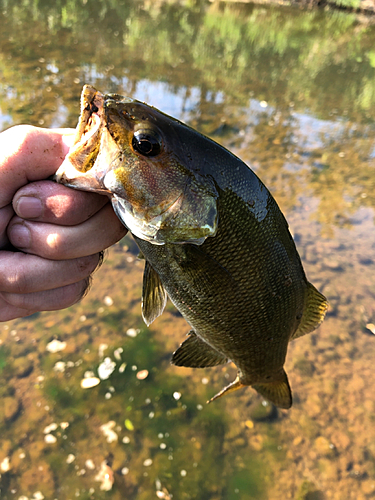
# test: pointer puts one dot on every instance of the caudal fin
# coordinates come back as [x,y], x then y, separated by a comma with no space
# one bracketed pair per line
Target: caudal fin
[277,392]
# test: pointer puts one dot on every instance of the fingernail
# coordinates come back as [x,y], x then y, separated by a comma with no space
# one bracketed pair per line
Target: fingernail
[20,236]
[29,207]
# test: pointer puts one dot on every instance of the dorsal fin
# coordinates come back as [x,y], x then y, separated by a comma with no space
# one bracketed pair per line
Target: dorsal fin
[315,308]
[278,391]
[196,353]
[154,296]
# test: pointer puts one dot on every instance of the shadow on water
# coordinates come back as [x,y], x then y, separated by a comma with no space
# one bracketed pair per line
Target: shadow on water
[291,93]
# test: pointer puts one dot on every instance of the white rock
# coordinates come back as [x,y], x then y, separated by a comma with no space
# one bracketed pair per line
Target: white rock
[88,382]
[117,353]
[177,395]
[5,465]
[132,332]
[59,367]
[90,464]
[56,346]
[108,301]
[70,459]
[50,438]
[105,476]
[147,462]
[109,433]
[102,348]
[38,495]
[50,428]
[106,368]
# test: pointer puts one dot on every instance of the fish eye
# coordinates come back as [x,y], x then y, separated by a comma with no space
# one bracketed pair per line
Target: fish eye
[147,142]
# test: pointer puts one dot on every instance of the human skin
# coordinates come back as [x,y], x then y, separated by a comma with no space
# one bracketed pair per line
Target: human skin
[51,237]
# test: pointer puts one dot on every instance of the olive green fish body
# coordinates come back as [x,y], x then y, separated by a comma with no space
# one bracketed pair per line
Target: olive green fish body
[243,290]
[213,238]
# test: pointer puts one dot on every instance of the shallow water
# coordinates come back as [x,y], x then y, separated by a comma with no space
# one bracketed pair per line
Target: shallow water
[291,93]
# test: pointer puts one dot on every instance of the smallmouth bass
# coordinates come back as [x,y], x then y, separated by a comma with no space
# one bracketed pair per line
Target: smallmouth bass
[213,237]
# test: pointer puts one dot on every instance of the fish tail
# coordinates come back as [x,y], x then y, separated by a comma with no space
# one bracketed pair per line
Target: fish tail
[277,392]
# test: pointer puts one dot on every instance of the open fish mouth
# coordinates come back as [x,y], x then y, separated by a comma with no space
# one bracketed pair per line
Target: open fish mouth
[75,169]
[86,143]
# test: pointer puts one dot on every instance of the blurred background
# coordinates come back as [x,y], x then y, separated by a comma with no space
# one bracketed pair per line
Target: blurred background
[292,93]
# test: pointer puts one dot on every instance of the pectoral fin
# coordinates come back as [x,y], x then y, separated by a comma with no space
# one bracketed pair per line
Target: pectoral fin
[315,308]
[195,353]
[277,392]
[154,296]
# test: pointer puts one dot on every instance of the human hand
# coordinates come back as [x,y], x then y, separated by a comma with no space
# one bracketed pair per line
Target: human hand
[59,231]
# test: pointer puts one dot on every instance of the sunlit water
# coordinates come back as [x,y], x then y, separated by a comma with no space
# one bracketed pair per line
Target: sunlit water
[291,93]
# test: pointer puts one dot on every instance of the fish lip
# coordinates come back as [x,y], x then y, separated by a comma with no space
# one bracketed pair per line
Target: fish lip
[75,170]
[92,109]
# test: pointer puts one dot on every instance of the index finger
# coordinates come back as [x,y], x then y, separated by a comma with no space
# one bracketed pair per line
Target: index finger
[29,154]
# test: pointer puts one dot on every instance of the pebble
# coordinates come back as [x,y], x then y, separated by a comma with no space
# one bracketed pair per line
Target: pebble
[38,495]
[59,367]
[141,375]
[109,433]
[88,382]
[56,346]
[147,462]
[50,428]
[117,353]
[105,476]
[90,464]
[106,368]
[132,332]
[177,395]
[50,438]
[5,465]
[108,301]
[70,459]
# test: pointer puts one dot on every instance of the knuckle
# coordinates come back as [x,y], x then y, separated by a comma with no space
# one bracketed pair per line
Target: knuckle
[87,265]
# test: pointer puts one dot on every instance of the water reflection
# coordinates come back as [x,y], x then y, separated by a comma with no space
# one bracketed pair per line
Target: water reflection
[291,93]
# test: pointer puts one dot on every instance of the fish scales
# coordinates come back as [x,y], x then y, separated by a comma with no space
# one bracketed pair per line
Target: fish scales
[213,238]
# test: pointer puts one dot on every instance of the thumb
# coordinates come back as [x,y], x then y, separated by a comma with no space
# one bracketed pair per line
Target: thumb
[30,154]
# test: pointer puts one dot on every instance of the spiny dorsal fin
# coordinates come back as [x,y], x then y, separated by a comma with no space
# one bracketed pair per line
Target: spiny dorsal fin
[278,391]
[315,308]
[196,353]
[154,296]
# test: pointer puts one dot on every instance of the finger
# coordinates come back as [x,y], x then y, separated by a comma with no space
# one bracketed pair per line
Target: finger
[67,242]
[29,154]
[6,214]
[13,305]
[23,273]
[54,203]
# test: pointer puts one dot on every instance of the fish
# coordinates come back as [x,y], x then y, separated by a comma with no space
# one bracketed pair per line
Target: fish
[213,238]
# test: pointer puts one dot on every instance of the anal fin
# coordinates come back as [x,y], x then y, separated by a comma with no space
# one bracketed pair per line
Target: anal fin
[277,391]
[154,296]
[315,308]
[196,353]
[234,386]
